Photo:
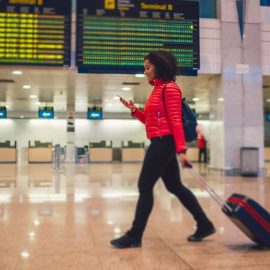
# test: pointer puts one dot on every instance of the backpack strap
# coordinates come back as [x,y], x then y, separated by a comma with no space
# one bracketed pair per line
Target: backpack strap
[163,93]
[163,98]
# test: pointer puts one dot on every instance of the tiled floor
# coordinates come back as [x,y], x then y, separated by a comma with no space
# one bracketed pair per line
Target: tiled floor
[64,219]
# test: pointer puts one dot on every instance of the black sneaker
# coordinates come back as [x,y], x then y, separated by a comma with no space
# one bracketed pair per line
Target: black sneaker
[202,232]
[126,241]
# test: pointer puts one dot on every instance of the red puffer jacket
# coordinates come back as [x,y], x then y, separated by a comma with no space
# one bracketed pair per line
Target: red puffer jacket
[161,121]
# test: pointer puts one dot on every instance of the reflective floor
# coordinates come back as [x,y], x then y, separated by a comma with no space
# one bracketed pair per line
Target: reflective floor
[64,218]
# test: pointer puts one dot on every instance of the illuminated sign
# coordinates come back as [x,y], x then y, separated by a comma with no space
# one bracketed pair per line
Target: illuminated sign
[35,32]
[267,117]
[3,114]
[115,36]
[265,3]
[46,114]
[94,115]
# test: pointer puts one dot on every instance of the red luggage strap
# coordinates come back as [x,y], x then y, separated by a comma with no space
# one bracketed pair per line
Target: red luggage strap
[252,212]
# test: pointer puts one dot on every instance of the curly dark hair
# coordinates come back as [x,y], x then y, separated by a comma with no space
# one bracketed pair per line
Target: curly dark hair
[165,64]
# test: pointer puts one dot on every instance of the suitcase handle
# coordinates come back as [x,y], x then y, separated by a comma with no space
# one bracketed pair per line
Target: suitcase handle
[224,206]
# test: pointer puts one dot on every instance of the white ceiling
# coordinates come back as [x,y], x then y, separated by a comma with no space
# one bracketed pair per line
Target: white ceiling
[60,87]
[63,87]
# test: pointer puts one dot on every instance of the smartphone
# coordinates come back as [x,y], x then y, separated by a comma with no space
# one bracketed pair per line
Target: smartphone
[123,101]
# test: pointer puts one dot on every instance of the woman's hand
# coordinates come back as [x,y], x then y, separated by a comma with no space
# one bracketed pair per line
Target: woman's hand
[184,160]
[132,107]
[128,104]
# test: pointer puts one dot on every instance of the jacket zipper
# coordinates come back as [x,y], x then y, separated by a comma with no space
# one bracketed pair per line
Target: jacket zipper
[159,122]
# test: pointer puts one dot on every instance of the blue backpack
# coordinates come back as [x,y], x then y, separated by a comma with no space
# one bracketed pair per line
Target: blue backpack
[189,119]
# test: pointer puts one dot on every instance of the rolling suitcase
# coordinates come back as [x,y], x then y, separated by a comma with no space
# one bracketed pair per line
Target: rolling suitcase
[251,218]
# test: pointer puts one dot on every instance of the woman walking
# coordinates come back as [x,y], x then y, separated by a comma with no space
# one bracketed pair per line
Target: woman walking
[163,121]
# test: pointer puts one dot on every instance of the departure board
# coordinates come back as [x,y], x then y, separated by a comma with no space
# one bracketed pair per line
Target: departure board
[114,36]
[35,32]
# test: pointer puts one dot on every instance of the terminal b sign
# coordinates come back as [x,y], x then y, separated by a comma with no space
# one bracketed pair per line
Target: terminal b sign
[114,36]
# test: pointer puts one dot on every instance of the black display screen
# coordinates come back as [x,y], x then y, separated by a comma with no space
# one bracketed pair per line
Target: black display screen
[35,32]
[113,36]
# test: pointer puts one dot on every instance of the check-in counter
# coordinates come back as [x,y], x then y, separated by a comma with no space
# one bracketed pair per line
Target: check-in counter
[132,152]
[82,154]
[100,152]
[40,153]
[267,154]
[8,175]
[8,153]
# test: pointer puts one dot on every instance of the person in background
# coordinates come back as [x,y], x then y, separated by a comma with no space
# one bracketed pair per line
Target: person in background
[163,122]
[202,143]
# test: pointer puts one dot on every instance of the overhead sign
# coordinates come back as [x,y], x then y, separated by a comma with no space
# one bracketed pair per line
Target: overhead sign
[265,2]
[94,115]
[3,114]
[267,117]
[46,114]
[115,36]
[35,32]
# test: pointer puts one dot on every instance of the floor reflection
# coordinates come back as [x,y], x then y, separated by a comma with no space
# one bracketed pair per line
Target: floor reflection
[69,214]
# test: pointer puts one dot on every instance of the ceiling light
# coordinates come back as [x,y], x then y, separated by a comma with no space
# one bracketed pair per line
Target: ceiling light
[7,106]
[33,96]
[139,75]
[27,87]
[195,99]
[221,99]
[126,88]
[17,72]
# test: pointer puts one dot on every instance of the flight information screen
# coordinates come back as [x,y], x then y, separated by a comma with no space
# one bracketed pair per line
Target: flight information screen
[113,36]
[35,32]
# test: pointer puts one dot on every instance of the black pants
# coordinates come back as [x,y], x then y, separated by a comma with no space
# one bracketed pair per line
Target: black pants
[161,161]
[202,151]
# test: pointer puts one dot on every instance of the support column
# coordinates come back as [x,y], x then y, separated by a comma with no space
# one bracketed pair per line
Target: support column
[236,97]
[70,150]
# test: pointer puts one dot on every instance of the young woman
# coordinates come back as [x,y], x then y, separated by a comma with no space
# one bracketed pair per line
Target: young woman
[163,121]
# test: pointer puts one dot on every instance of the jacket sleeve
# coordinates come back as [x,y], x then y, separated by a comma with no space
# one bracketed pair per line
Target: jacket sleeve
[173,106]
[139,114]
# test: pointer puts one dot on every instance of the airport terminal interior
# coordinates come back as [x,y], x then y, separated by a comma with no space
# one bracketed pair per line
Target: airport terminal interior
[71,153]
